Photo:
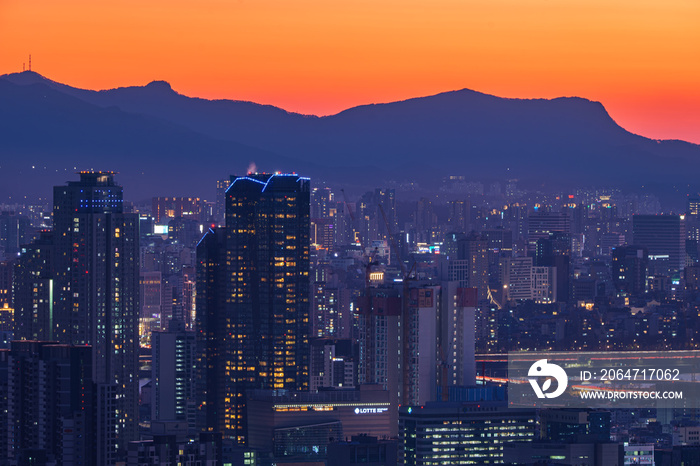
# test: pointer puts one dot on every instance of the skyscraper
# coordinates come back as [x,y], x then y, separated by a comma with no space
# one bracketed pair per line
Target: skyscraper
[166,208]
[51,406]
[172,373]
[220,208]
[629,269]
[33,290]
[664,238]
[541,224]
[96,286]
[466,261]
[555,251]
[253,298]
[15,230]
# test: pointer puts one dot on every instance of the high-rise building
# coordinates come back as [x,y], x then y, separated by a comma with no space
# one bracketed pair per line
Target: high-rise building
[664,238]
[167,208]
[544,284]
[322,201]
[4,388]
[151,296]
[34,290]
[458,320]
[322,233]
[518,278]
[440,325]
[693,208]
[332,363]
[555,251]
[96,287]
[386,202]
[424,220]
[499,240]
[6,278]
[52,406]
[220,208]
[459,215]
[500,249]
[326,310]
[185,230]
[466,261]
[415,338]
[541,224]
[173,374]
[253,298]
[331,315]
[629,269]
[379,311]
[15,230]
[213,373]
[461,433]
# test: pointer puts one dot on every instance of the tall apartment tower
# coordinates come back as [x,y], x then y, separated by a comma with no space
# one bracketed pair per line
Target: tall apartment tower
[173,374]
[96,287]
[220,207]
[34,289]
[466,261]
[253,298]
[629,269]
[386,198]
[440,349]
[52,406]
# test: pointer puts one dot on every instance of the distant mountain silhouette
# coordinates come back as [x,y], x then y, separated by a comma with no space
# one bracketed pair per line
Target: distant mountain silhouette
[183,144]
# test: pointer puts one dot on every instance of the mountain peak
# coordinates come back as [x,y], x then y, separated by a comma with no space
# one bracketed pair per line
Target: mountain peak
[25,78]
[159,86]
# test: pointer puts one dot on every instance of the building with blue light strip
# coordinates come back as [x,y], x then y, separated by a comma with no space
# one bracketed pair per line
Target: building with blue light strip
[253,299]
[96,288]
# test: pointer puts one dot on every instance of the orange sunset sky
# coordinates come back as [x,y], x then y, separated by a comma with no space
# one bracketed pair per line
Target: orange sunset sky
[640,58]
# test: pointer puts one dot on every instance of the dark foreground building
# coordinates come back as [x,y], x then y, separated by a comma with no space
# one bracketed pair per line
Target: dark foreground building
[53,407]
[79,285]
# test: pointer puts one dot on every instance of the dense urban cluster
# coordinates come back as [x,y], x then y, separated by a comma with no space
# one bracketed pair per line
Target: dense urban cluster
[286,321]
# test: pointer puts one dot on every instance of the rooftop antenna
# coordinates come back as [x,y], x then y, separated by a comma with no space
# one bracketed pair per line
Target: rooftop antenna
[30,62]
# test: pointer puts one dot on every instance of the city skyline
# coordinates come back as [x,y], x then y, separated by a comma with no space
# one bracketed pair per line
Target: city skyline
[414,306]
[350,232]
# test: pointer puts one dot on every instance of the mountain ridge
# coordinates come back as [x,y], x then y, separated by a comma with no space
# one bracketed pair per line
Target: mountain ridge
[566,139]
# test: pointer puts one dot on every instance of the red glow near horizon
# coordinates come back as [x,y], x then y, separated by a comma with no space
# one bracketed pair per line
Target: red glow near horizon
[639,58]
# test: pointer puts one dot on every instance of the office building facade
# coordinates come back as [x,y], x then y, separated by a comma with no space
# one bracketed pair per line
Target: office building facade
[664,238]
[461,433]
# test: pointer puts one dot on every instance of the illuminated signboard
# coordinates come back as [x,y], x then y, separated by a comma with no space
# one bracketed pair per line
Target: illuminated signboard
[370,410]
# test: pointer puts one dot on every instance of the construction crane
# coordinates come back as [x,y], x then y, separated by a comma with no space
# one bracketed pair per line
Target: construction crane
[492,299]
